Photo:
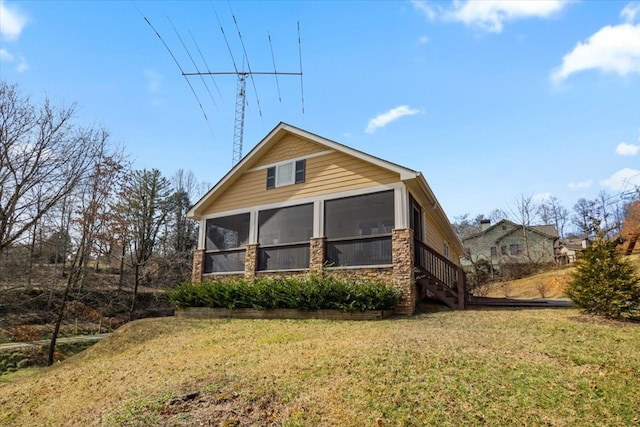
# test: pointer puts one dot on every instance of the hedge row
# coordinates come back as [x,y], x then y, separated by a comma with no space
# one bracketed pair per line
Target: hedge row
[301,293]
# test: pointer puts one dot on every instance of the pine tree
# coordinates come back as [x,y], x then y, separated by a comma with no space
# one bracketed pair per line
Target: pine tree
[605,284]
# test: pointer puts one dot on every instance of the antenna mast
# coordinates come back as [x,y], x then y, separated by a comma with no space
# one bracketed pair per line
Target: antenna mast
[238,125]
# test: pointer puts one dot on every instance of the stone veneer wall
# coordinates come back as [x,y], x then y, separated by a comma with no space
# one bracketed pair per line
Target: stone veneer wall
[198,266]
[403,272]
[251,260]
[316,251]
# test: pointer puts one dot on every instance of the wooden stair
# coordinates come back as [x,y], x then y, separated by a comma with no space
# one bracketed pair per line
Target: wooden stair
[443,279]
[440,292]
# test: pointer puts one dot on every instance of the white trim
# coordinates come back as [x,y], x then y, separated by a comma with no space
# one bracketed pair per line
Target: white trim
[295,159]
[400,204]
[318,218]
[318,210]
[202,233]
[305,200]
[358,267]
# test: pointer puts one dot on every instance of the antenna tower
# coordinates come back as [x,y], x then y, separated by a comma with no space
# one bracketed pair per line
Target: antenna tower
[241,87]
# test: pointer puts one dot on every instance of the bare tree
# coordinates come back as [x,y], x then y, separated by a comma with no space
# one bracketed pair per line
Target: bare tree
[583,219]
[524,213]
[551,211]
[145,202]
[42,159]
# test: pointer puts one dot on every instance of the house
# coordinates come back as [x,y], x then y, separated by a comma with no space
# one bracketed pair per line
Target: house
[300,203]
[569,250]
[507,243]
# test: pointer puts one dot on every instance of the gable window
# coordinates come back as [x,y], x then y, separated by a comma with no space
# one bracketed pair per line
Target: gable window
[286,173]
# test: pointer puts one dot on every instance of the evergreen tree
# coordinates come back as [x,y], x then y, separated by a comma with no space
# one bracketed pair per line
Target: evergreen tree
[604,283]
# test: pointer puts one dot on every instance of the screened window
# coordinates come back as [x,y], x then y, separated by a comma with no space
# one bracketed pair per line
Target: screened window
[514,249]
[286,173]
[446,251]
[365,215]
[227,232]
[285,225]
[503,250]
[494,252]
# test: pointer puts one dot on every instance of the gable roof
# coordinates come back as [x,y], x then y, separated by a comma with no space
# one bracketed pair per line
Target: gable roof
[412,178]
[548,230]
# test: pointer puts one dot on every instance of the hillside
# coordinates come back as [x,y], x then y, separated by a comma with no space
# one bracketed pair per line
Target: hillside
[449,368]
[552,283]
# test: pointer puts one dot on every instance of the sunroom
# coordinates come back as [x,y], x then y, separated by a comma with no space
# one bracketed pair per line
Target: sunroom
[355,230]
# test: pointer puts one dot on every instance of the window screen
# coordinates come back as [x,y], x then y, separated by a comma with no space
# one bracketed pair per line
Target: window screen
[227,232]
[285,225]
[364,215]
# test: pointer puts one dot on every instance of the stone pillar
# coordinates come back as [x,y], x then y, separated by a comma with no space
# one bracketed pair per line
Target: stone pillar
[198,266]
[251,260]
[403,274]
[316,254]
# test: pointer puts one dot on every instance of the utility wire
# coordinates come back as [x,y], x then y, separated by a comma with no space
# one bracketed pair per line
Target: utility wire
[253,82]
[181,71]
[275,71]
[300,56]
[206,65]
[193,62]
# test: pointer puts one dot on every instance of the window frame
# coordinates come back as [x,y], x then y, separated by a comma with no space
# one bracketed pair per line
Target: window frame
[297,174]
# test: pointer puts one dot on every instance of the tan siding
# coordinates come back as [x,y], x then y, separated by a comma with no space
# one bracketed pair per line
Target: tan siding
[436,239]
[289,147]
[326,174]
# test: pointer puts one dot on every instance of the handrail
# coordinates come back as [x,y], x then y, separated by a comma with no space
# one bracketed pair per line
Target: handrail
[431,262]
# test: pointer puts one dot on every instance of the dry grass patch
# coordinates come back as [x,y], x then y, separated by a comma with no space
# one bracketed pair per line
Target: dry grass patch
[500,367]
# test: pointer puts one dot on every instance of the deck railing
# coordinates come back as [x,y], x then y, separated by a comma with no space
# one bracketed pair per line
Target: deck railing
[437,266]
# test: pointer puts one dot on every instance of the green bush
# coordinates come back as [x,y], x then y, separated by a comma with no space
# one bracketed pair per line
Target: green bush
[311,292]
[603,283]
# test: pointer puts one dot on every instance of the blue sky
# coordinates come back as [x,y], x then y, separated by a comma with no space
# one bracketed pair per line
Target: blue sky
[490,100]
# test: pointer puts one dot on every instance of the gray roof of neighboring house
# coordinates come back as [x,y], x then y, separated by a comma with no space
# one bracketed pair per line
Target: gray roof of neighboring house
[546,230]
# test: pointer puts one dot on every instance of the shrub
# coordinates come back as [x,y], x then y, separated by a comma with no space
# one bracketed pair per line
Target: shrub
[603,283]
[311,292]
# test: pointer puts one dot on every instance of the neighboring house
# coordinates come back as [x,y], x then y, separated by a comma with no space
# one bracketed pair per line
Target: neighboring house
[301,203]
[509,243]
[569,250]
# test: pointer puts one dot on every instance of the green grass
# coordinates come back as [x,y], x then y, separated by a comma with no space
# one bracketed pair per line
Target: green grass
[450,368]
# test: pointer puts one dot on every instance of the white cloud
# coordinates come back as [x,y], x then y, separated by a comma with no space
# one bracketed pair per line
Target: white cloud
[12,21]
[613,49]
[22,65]
[429,10]
[423,40]
[625,149]
[5,55]
[490,15]
[540,197]
[381,120]
[580,185]
[622,180]
[630,12]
